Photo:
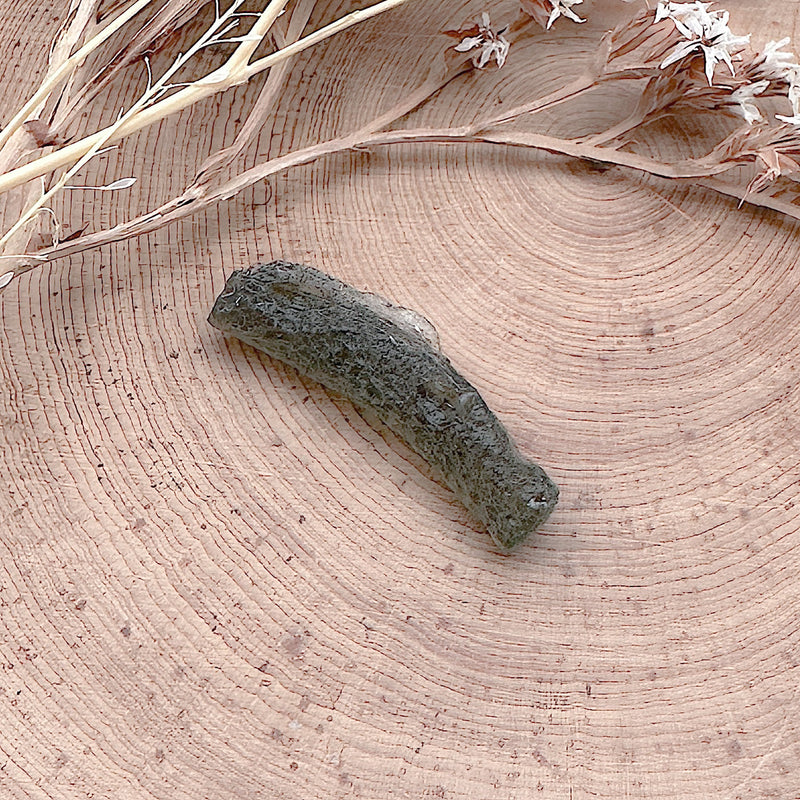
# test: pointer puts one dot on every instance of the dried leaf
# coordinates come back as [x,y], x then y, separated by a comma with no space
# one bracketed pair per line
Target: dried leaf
[74,235]
[471,32]
[42,134]
[122,183]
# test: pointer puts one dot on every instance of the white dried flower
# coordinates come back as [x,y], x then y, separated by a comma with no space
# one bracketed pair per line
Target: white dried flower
[793,77]
[546,12]
[744,100]
[704,30]
[492,43]
[689,18]
[563,8]
[777,64]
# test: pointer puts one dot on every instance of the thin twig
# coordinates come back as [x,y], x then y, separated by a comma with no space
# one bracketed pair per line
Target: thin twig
[759,199]
[166,20]
[108,134]
[688,168]
[200,196]
[258,115]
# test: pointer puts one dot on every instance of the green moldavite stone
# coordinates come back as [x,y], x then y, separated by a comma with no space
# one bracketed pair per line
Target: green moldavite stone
[385,358]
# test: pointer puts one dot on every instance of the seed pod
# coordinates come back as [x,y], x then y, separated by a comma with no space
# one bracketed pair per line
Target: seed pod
[386,358]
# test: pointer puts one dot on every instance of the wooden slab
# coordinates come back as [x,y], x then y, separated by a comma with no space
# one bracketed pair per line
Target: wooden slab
[219,582]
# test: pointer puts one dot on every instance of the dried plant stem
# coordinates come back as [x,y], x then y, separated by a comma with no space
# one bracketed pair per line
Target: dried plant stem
[689,168]
[109,134]
[573,89]
[261,27]
[760,199]
[198,198]
[18,142]
[14,141]
[82,25]
[259,114]
[167,19]
[66,67]
[616,131]
[220,80]
[209,187]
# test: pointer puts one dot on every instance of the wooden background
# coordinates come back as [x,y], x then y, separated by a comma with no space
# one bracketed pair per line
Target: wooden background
[218,582]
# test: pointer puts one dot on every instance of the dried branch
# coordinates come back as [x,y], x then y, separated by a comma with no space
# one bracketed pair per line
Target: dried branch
[200,196]
[153,91]
[234,72]
[212,167]
[147,40]
[65,67]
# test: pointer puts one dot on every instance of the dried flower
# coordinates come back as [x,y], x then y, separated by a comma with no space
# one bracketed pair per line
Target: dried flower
[776,64]
[672,89]
[776,148]
[546,12]
[744,100]
[704,30]
[772,65]
[563,8]
[492,43]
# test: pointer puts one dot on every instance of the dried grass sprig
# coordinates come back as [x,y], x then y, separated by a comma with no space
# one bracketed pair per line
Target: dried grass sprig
[138,46]
[153,91]
[201,195]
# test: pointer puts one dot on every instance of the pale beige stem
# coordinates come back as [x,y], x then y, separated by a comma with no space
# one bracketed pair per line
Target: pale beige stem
[580,85]
[200,196]
[341,24]
[573,89]
[761,200]
[257,118]
[615,132]
[16,141]
[41,203]
[244,52]
[73,31]
[77,29]
[147,39]
[689,168]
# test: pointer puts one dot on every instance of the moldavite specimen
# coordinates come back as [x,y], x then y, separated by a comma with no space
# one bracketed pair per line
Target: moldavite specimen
[386,358]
